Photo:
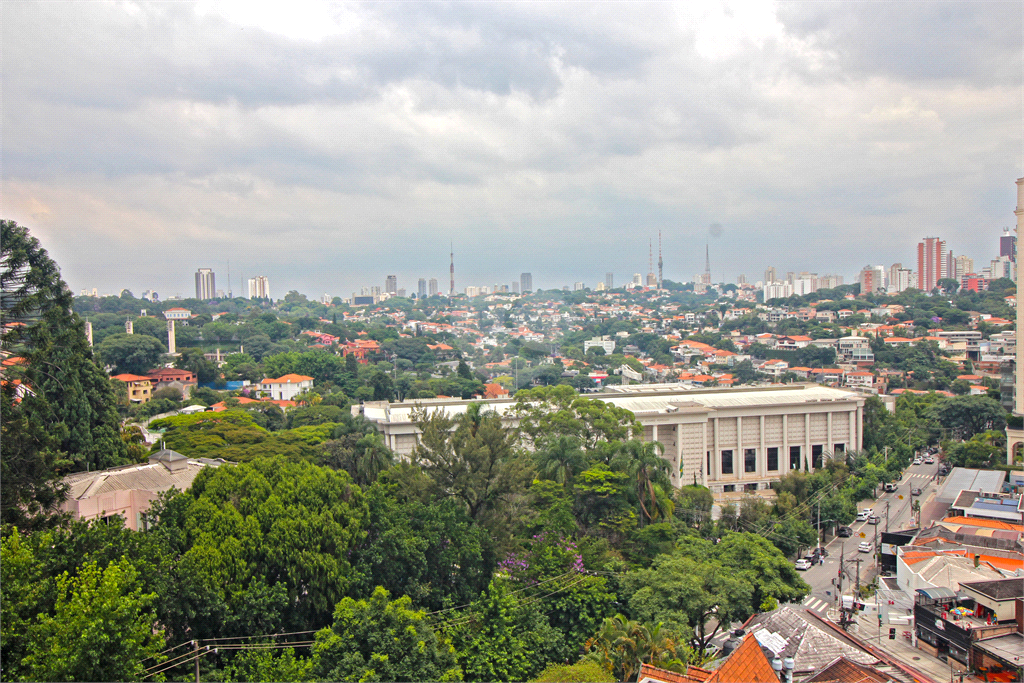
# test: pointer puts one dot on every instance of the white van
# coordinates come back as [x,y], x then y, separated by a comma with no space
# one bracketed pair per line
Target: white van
[863,515]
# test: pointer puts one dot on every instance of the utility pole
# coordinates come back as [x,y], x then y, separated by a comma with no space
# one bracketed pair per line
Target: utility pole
[886,516]
[819,527]
[195,653]
[877,555]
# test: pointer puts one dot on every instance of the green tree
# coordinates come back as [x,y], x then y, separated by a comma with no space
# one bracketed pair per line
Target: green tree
[965,416]
[584,671]
[382,640]
[134,354]
[101,630]
[472,458]
[560,458]
[622,645]
[642,462]
[546,412]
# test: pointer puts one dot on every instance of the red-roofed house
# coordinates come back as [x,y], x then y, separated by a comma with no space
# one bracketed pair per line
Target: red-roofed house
[286,387]
[140,389]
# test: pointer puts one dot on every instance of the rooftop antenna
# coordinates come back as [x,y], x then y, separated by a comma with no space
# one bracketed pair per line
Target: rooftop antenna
[229,279]
[451,292]
[660,262]
[707,262]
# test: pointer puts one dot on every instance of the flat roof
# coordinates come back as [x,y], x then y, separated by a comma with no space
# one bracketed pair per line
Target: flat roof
[964,478]
[643,400]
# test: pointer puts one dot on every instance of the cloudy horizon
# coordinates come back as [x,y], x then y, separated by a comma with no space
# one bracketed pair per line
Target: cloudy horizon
[328,145]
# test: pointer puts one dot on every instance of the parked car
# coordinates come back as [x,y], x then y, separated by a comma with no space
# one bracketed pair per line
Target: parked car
[915,491]
[873,520]
[863,515]
[917,461]
[864,547]
[845,532]
[891,486]
[929,460]
[819,553]
[802,564]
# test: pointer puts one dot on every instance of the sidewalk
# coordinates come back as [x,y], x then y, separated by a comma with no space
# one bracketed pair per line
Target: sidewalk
[867,631]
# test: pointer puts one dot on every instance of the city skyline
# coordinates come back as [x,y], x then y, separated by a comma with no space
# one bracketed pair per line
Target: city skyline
[257,135]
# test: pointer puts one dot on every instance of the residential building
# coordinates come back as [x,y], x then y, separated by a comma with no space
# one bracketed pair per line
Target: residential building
[525,282]
[1008,245]
[130,490]
[177,314]
[421,288]
[609,280]
[206,287]
[391,284]
[854,350]
[777,290]
[432,287]
[1003,266]
[931,263]
[140,389]
[606,343]
[962,265]
[259,287]
[770,275]
[286,387]
[871,279]
[732,440]
[578,287]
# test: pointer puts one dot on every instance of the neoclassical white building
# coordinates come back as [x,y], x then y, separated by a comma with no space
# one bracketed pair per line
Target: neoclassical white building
[730,439]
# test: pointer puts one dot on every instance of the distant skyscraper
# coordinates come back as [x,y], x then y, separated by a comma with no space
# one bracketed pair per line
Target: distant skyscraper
[771,275]
[930,263]
[741,279]
[391,284]
[259,287]
[962,265]
[526,283]
[432,287]
[609,280]
[421,288]
[206,287]
[1008,245]
[872,279]
[578,286]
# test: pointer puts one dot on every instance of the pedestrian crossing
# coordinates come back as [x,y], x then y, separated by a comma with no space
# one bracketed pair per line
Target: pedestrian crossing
[815,604]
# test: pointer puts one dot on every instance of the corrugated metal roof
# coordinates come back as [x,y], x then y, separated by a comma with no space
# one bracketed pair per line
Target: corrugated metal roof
[146,477]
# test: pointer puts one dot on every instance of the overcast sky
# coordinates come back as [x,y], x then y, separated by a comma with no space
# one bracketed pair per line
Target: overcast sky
[329,145]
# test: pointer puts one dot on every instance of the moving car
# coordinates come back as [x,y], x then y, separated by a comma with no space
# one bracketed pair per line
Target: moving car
[803,564]
[864,547]
[845,532]
[917,461]
[915,491]
[891,486]
[873,520]
[929,460]
[864,514]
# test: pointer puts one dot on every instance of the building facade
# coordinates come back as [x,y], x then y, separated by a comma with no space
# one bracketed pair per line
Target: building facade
[421,288]
[206,285]
[286,387]
[391,284]
[931,263]
[259,287]
[526,282]
[432,287]
[730,440]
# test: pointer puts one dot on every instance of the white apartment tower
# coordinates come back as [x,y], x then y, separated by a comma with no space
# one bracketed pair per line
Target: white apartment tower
[206,287]
[259,287]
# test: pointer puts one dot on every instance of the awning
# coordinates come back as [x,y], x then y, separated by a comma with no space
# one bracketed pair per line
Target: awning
[938,593]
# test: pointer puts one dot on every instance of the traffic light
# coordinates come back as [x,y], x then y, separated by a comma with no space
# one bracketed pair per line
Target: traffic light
[892,634]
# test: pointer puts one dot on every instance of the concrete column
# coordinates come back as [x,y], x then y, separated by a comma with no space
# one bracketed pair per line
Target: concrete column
[808,460]
[716,455]
[170,336]
[679,450]
[859,436]
[704,454]
[762,453]
[784,455]
[852,440]
[654,433]
[738,457]
[829,446]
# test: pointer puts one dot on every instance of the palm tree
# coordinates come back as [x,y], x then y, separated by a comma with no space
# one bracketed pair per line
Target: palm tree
[373,458]
[642,461]
[560,458]
[622,645]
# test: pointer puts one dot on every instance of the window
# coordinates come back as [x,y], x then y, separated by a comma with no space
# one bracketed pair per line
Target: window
[709,462]
[839,448]
[728,488]
[726,462]
[816,456]
[750,487]
[773,459]
[794,457]
[750,460]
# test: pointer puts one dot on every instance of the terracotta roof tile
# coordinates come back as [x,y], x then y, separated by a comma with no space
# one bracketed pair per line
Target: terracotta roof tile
[747,664]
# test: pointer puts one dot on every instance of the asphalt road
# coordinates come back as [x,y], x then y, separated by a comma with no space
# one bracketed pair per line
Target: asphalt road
[820,576]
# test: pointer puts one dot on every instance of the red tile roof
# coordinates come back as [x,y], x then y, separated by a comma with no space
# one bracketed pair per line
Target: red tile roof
[290,378]
[125,377]
[746,665]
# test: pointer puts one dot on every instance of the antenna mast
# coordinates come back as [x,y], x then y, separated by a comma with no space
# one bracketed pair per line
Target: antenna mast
[229,280]
[660,262]
[451,292]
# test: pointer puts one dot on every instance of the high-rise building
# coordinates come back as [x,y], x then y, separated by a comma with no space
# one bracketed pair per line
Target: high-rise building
[930,263]
[962,265]
[872,279]
[637,282]
[578,287]
[515,287]
[1008,245]
[830,281]
[206,287]
[771,275]
[259,287]
[652,280]
[741,279]
[432,287]
[526,283]
[609,280]
[391,284]
[421,288]
[901,279]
